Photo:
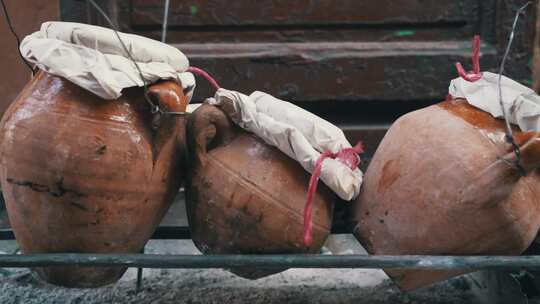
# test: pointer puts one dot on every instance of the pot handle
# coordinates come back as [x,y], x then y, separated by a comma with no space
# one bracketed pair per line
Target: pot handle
[208,127]
[529,147]
[495,183]
[170,98]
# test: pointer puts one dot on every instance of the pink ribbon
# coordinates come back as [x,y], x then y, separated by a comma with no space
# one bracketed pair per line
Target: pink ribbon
[350,158]
[205,75]
[475,74]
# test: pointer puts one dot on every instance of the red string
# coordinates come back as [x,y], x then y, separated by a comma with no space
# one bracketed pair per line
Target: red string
[476,55]
[475,74]
[205,75]
[349,157]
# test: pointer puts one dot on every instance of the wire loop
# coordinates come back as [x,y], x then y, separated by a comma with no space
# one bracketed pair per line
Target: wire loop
[509,136]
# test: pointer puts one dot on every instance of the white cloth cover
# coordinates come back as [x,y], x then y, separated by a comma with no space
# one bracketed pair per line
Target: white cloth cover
[192,107]
[522,105]
[93,58]
[301,135]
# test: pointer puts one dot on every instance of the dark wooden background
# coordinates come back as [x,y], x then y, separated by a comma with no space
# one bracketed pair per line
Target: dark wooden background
[359,64]
[26,17]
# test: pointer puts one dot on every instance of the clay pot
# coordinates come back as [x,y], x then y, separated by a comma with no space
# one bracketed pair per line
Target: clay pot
[442,182]
[247,197]
[86,175]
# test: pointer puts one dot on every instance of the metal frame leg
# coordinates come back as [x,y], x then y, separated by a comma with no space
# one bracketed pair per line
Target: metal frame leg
[139,276]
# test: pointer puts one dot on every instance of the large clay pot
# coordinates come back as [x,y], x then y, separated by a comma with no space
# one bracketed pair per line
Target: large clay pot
[442,182]
[247,197]
[82,174]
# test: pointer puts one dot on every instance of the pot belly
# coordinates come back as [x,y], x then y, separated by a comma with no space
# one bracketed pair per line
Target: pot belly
[75,182]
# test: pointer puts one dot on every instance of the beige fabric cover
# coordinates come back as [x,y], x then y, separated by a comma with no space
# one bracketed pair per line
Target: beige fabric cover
[93,58]
[522,104]
[301,135]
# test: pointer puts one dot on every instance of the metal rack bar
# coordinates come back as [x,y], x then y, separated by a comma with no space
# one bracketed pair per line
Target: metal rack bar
[162,233]
[272,261]
[261,261]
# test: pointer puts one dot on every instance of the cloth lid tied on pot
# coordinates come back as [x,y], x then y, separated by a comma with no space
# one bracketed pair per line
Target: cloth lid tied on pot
[93,58]
[298,133]
[521,104]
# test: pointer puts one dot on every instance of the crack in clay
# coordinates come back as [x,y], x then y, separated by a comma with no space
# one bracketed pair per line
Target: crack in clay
[59,192]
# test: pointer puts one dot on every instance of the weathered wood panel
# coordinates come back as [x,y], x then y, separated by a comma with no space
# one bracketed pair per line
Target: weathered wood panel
[274,21]
[520,59]
[305,12]
[426,24]
[335,71]
[536,53]
[326,34]
[26,16]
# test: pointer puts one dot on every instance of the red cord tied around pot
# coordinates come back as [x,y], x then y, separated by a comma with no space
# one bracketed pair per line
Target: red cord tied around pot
[299,134]
[475,74]
[500,96]
[200,72]
[349,157]
[496,94]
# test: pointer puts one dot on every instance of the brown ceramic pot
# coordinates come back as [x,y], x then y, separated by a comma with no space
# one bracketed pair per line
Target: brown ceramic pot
[247,197]
[82,174]
[439,185]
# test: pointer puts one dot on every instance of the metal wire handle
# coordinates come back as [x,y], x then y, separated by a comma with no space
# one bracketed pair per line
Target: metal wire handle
[154,108]
[509,136]
[165,21]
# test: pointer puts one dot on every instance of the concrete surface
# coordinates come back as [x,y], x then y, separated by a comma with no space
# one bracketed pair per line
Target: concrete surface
[220,286]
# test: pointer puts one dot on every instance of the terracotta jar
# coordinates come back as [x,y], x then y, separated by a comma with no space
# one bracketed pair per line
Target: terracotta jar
[247,197]
[443,182]
[86,175]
